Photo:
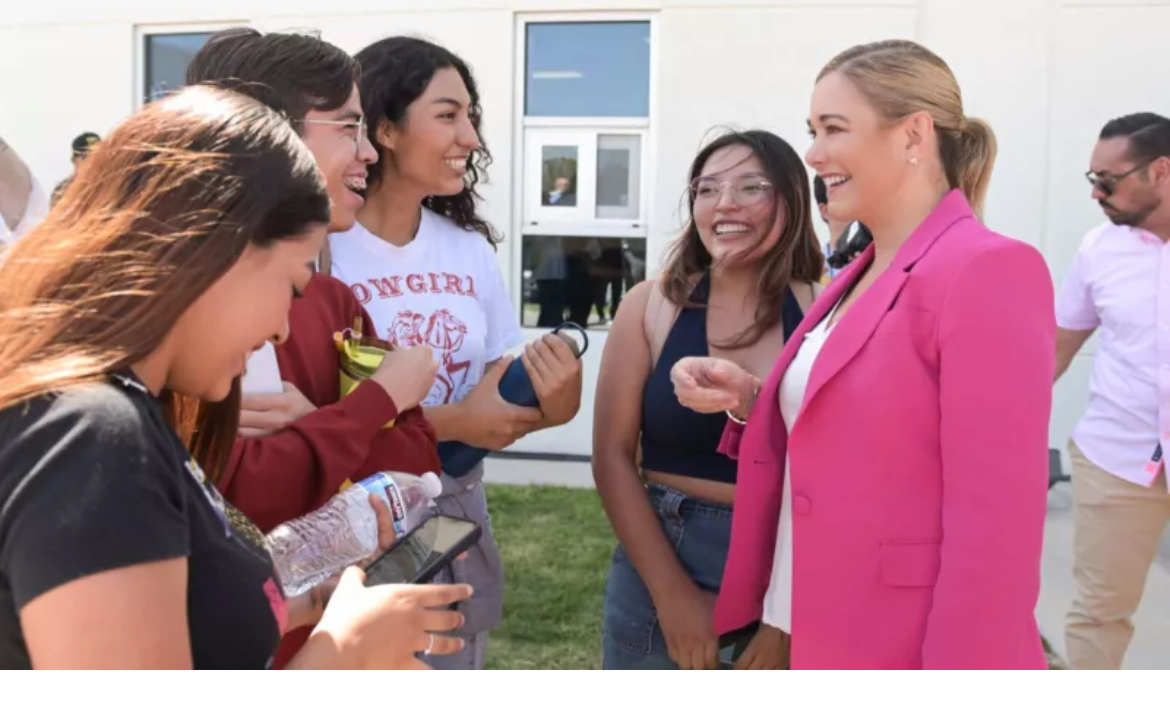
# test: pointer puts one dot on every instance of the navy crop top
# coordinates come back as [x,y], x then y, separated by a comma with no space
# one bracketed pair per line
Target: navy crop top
[675,439]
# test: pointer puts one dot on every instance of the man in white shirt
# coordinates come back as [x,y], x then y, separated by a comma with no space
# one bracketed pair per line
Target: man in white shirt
[1120,281]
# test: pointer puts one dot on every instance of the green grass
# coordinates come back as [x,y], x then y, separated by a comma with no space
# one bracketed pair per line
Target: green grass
[556,545]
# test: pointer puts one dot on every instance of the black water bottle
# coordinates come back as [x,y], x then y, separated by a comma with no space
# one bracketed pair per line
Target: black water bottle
[516,388]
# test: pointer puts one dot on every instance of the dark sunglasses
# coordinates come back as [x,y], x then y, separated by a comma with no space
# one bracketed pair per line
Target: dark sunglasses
[1107,183]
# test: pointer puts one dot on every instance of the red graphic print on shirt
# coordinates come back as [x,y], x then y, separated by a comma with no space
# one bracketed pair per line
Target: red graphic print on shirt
[394,286]
[444,332]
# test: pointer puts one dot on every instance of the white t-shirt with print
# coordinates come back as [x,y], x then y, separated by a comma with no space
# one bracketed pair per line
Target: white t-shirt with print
[443,289]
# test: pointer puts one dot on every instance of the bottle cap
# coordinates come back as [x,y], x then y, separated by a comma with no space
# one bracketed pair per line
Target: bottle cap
[561,332]
[572,343]
[432,485]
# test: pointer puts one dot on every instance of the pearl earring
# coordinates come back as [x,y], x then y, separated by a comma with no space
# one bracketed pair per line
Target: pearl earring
[914,160]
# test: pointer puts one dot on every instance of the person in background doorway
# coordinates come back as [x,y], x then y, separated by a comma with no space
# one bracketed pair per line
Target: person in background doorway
[552,287]
[835,228]
[421,260]
[562,194]
[735,287]
[1119,282]
[23,203]
[82,145]
[852,243]
[893,467]
[608,279]
[299,447]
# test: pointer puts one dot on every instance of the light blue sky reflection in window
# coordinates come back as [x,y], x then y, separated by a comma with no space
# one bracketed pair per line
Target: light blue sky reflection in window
[588,69]
[166,61]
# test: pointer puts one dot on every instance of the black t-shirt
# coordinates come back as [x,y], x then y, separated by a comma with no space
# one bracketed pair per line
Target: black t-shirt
[94,479]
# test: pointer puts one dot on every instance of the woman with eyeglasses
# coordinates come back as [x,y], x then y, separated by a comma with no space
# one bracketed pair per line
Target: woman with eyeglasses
[126,318]
[735,287]
[299,447]
[893,465]
[421,261]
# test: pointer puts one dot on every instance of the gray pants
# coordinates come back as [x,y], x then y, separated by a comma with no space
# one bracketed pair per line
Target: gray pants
[472,655]
[464,497]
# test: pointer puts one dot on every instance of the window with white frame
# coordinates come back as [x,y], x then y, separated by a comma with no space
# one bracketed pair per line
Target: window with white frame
[164,60]
[586,124]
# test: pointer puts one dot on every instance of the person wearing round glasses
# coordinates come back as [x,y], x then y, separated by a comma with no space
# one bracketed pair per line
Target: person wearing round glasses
[299,446]
[735,287]
[1119,281]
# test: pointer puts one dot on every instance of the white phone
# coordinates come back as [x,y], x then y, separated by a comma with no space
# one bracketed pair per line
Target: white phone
[262,375]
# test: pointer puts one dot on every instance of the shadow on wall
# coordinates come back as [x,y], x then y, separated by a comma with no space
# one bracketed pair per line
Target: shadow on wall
[1055,469]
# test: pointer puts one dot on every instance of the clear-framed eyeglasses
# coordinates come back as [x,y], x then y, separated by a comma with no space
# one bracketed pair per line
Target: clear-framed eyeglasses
[358,128]
[746,190]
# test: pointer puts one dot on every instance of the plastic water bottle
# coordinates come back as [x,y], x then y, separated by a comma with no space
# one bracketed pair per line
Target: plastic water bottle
[515,388]
[311,549]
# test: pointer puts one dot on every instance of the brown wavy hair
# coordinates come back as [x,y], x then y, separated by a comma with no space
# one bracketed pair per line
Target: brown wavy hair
[163,208]
[796,257]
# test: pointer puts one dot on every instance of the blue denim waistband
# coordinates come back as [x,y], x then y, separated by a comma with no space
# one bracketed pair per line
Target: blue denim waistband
[668,501]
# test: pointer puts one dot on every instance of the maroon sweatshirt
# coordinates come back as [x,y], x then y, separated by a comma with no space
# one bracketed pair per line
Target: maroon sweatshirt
[295,471]
[286,475]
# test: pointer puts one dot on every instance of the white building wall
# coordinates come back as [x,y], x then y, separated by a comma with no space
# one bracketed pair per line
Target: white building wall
[1047,74]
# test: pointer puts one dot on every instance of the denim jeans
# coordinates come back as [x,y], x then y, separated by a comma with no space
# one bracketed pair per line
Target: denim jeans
[700,533]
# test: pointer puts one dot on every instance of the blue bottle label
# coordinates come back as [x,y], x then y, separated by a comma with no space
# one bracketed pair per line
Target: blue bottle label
[386,488]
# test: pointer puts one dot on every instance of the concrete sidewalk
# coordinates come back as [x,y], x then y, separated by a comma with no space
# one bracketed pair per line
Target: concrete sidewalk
[501,470]
[1150,648]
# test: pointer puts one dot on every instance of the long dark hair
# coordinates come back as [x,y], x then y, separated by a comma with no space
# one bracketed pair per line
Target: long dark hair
[795,257]
[163,208]
[394,73]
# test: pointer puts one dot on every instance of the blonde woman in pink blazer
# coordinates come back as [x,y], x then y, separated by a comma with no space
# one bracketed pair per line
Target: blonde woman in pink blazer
[889,511]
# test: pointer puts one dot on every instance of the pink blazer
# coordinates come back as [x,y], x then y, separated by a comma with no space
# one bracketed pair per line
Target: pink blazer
[919,463]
